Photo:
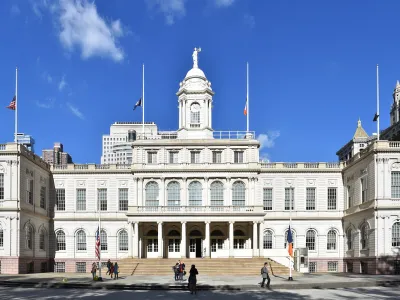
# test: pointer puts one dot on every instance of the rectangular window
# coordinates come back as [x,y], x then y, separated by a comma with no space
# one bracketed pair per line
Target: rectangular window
[332,266]
[312,267]
[238,244]
[267,198]
[81,199]
[310,199]
[364,190]
[123,199]
[1,186]
[195,157]
[395,184]
[59,267]
[349,197]
[43,197]
[195,119]
[1,239]
[289,198]
[29,191]
[332,198]
[151,157]
[41,241]
[216,157]
[60,199]
[102,198]
[80,267]
[173,157]
[238,157]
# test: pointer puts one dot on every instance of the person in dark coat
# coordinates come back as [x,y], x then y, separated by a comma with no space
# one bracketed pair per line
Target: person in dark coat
[265,275]
[192,279]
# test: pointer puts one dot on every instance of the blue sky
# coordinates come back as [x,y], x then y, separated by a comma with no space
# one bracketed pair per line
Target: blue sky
[312,68]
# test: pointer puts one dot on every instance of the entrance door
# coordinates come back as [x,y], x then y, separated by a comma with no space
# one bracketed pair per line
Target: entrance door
[195,248]
[199,249]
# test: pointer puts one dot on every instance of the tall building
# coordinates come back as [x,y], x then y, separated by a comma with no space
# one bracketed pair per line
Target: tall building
[56,156]
[27,141]
[196,192]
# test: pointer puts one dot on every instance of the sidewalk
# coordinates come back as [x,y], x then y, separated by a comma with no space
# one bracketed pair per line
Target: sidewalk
[244,283]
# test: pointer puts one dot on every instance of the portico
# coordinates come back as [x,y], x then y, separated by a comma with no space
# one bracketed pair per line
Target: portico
[195,236]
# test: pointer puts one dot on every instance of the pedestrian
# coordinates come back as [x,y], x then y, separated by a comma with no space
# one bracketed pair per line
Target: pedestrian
[94,270]
[112,270]
[108,267]
[192,279]
[116,270]
[265,275]
[176,271]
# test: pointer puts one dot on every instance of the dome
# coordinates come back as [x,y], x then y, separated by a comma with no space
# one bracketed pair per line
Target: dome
[195,72]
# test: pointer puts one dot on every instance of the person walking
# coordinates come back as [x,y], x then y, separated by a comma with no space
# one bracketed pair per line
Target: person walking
[94,270]
[111,270]
[265,275]
[108,267]
[176,271]
[193,279]
[116,270]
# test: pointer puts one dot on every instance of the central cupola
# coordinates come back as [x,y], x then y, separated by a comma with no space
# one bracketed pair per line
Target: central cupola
[195,103]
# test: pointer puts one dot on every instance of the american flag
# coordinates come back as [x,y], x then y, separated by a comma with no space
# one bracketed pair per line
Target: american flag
[98,243]
[12,104]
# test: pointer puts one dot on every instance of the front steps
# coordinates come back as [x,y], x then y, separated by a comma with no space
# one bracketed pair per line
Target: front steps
[210,267]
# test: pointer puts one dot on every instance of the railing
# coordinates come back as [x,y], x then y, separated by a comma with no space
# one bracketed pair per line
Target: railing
[91,167]
[234,135]
[3,146]
[160,135]
[394,144]
[198,209]
[306,165]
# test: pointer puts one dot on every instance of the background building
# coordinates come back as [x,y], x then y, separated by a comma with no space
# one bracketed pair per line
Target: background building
[27,141]
[56,156]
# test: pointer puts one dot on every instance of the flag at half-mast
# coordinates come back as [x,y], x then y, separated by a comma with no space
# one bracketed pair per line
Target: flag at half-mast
[245,108]
[98,244]
[290,242]
[12,104]
[139,103]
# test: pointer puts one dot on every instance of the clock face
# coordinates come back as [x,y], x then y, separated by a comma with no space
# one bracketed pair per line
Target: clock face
[195,107]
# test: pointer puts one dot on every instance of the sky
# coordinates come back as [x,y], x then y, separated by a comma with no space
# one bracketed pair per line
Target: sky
[312,68]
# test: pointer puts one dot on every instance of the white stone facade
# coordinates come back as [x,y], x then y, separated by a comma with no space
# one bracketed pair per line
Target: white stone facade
[199,193]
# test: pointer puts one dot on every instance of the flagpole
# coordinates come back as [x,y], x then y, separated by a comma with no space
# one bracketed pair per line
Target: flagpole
[16,107]
[247,97]
[290,228]
[98,207]
[377,102]
[143,101]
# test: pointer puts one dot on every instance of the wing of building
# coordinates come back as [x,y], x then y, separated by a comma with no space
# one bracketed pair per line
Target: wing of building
[195,193]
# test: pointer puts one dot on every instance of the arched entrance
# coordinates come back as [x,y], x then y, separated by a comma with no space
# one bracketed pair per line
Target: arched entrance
[152,244]
[174,244]
[195,244]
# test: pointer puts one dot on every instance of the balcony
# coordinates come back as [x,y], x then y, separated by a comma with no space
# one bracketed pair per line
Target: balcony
[332,166]
[91,167]
[209,210]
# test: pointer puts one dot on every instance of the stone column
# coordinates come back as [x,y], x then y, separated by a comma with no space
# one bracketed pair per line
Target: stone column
[261,239]
[130,239]
[228,199]
[207,239]
[162,192]
[183,240]
[255,243]
[160,240]
[184,201]
[136,242]
[231,238]
[206,202]
[9,233]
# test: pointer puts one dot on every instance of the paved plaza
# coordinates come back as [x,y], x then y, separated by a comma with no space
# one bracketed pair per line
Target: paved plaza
[313,294]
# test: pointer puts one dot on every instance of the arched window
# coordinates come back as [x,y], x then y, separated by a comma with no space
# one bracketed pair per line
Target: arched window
[195,194]
[364,236]
[103,240]
[195,232]
[42,239]
[310,240]
[195,115]
[60,236]
[238,194]
[217,233]
[123,240]
[349,239]
[152,193]
[174,233]
[268,239]
[1,237]
[217,193]
[293,238]
[80,240]
[152,233]
[331,240]
[238,232]
[174,194]
[396,234]
[29,237]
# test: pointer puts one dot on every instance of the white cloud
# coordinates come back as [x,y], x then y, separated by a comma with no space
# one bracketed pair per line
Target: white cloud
[75,111]
[62,84]
[15,10]
[250,20]
[81,27]
[267,140]
[49,103]
[265,157]
[224,3]
[171,9]
[46,76]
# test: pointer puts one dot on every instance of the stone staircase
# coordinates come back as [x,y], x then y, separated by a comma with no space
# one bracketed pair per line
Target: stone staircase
[211,267]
